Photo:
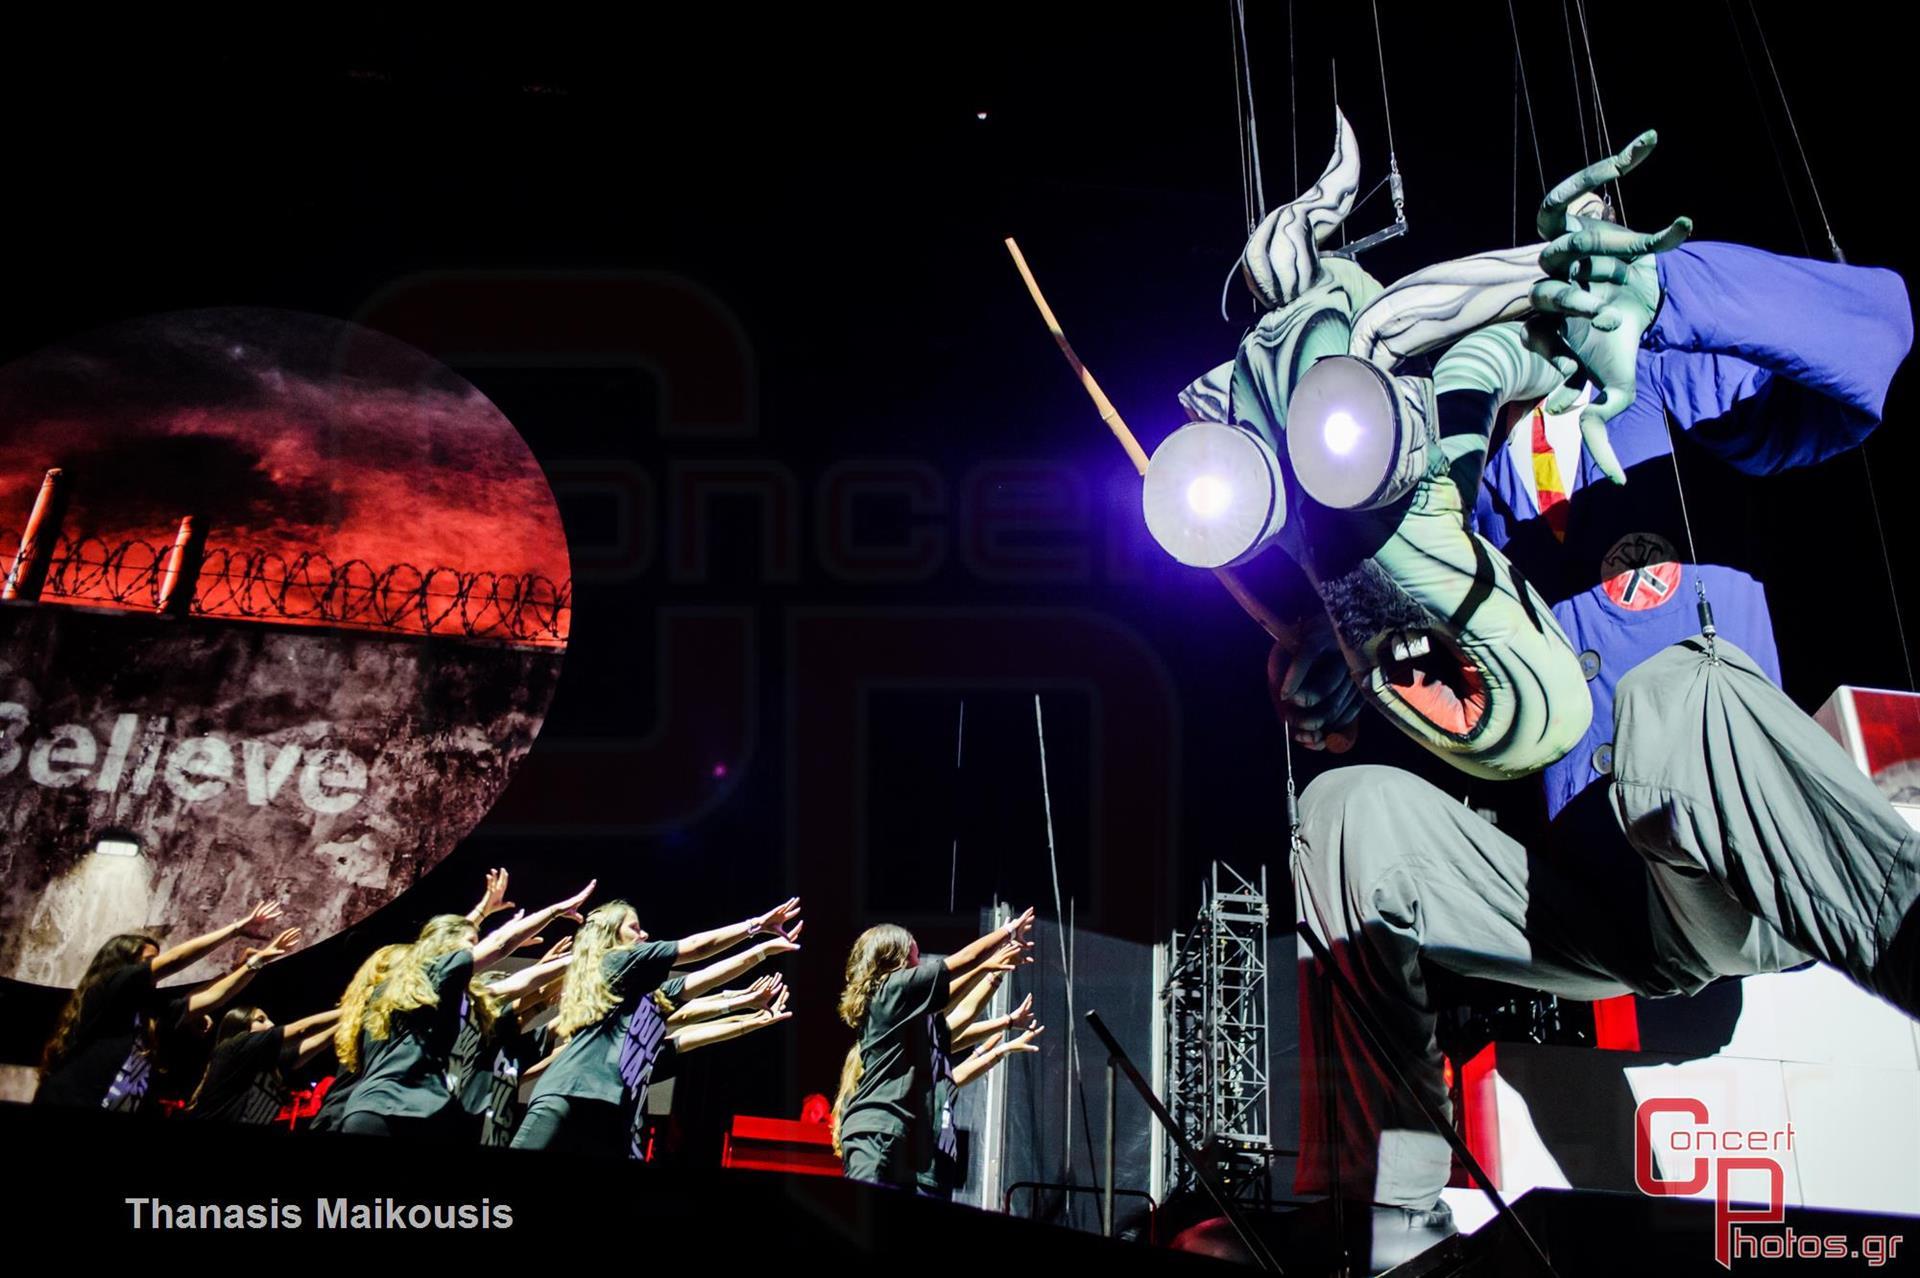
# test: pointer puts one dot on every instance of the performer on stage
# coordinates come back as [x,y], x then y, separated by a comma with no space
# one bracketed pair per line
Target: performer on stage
[589,1093]
[493,1048]
[889,1117]
[246,1080]
[414,1017]
[347,1035]
[989,1046]
[101,1052]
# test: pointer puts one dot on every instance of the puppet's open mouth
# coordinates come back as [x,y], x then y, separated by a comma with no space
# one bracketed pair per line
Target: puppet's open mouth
[1434,679]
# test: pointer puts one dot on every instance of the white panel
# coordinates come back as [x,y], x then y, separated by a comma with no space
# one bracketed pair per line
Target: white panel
[1524,1162]
[1856,1135]
[1819,1016]
[1740,1095]
[1471,1210]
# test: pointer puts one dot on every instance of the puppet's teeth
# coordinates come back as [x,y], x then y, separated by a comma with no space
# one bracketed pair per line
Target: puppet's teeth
[1419,646]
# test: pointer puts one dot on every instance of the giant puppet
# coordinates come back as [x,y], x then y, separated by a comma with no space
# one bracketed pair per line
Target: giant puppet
[1515,605]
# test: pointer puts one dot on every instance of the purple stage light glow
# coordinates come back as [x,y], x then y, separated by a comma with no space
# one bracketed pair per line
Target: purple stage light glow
[1342,432]
[1209,496]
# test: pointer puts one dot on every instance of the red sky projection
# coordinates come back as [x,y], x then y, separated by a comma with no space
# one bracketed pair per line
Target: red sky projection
[285,433]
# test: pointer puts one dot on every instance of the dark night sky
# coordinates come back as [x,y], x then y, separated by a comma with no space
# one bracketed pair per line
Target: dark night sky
[825,177]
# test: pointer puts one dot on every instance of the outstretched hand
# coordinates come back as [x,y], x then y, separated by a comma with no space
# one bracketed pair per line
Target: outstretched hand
[1600,297]
[279,947]
[494,899]
[1021,1017]
[1024,1043]
[569,908]
[1008,957]
[775,1012]
[262,912]
[778,920]
[783,942]
[764,992]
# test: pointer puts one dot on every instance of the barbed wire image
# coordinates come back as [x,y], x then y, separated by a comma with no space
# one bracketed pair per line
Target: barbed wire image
[308,587]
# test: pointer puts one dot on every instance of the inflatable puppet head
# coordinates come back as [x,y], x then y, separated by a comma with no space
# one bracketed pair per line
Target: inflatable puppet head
[1319,439]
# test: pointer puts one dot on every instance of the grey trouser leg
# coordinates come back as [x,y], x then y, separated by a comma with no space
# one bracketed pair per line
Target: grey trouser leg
[1396,871]
[1755,843]
[1758,826]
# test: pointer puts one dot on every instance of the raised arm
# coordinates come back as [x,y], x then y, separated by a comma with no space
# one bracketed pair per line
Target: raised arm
[715,975]
[987,1057]
[307,1024]
[524,929]
[707,1033]
[187,951]
[1771,361]
[1020,1017]
[782,920]
[983,981]
[492,900]
[960,964]
[531,977]
[758,995]
[1775,361]
[308,1035]
[209,997]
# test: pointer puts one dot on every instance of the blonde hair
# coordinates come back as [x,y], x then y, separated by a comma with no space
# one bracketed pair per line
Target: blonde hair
[851,1071]
[587,996]
[353,1004]
[407,987]
[877,954]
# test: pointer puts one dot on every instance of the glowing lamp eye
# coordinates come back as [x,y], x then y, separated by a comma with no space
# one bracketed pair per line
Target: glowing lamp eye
[1209,495]
[1342,432]
[1212,494]
[1359,437]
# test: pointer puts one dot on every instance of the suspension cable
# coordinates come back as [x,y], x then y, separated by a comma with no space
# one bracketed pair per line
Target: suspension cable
[1704,608]
[1787,107]
[1253,116]
[1398,187]
[1579,103]
[1240,118]
[1293,102]
[1833,243]
[1599,107]
[1520,59]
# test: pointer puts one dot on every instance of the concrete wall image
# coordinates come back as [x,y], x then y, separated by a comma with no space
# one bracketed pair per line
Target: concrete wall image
[328,769]
[285,601]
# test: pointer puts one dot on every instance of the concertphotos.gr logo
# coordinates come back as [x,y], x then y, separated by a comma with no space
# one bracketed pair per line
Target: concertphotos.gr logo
[1717,1155]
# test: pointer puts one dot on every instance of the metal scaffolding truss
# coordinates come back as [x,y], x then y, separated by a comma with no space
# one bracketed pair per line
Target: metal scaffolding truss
[1216,1038]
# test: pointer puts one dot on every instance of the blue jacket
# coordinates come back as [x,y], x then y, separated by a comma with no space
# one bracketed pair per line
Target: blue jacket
[1767,362]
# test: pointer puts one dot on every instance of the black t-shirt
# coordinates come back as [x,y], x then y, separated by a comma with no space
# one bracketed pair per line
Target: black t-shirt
[246,1079]
[612,1059]
[183,1044]
[487,1063]
[903,1056]
[405,1074]
[108,1061]
[333,1105]
[945,1172]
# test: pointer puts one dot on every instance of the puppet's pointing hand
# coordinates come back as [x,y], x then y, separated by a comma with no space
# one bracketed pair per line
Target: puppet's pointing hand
[1601,293]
